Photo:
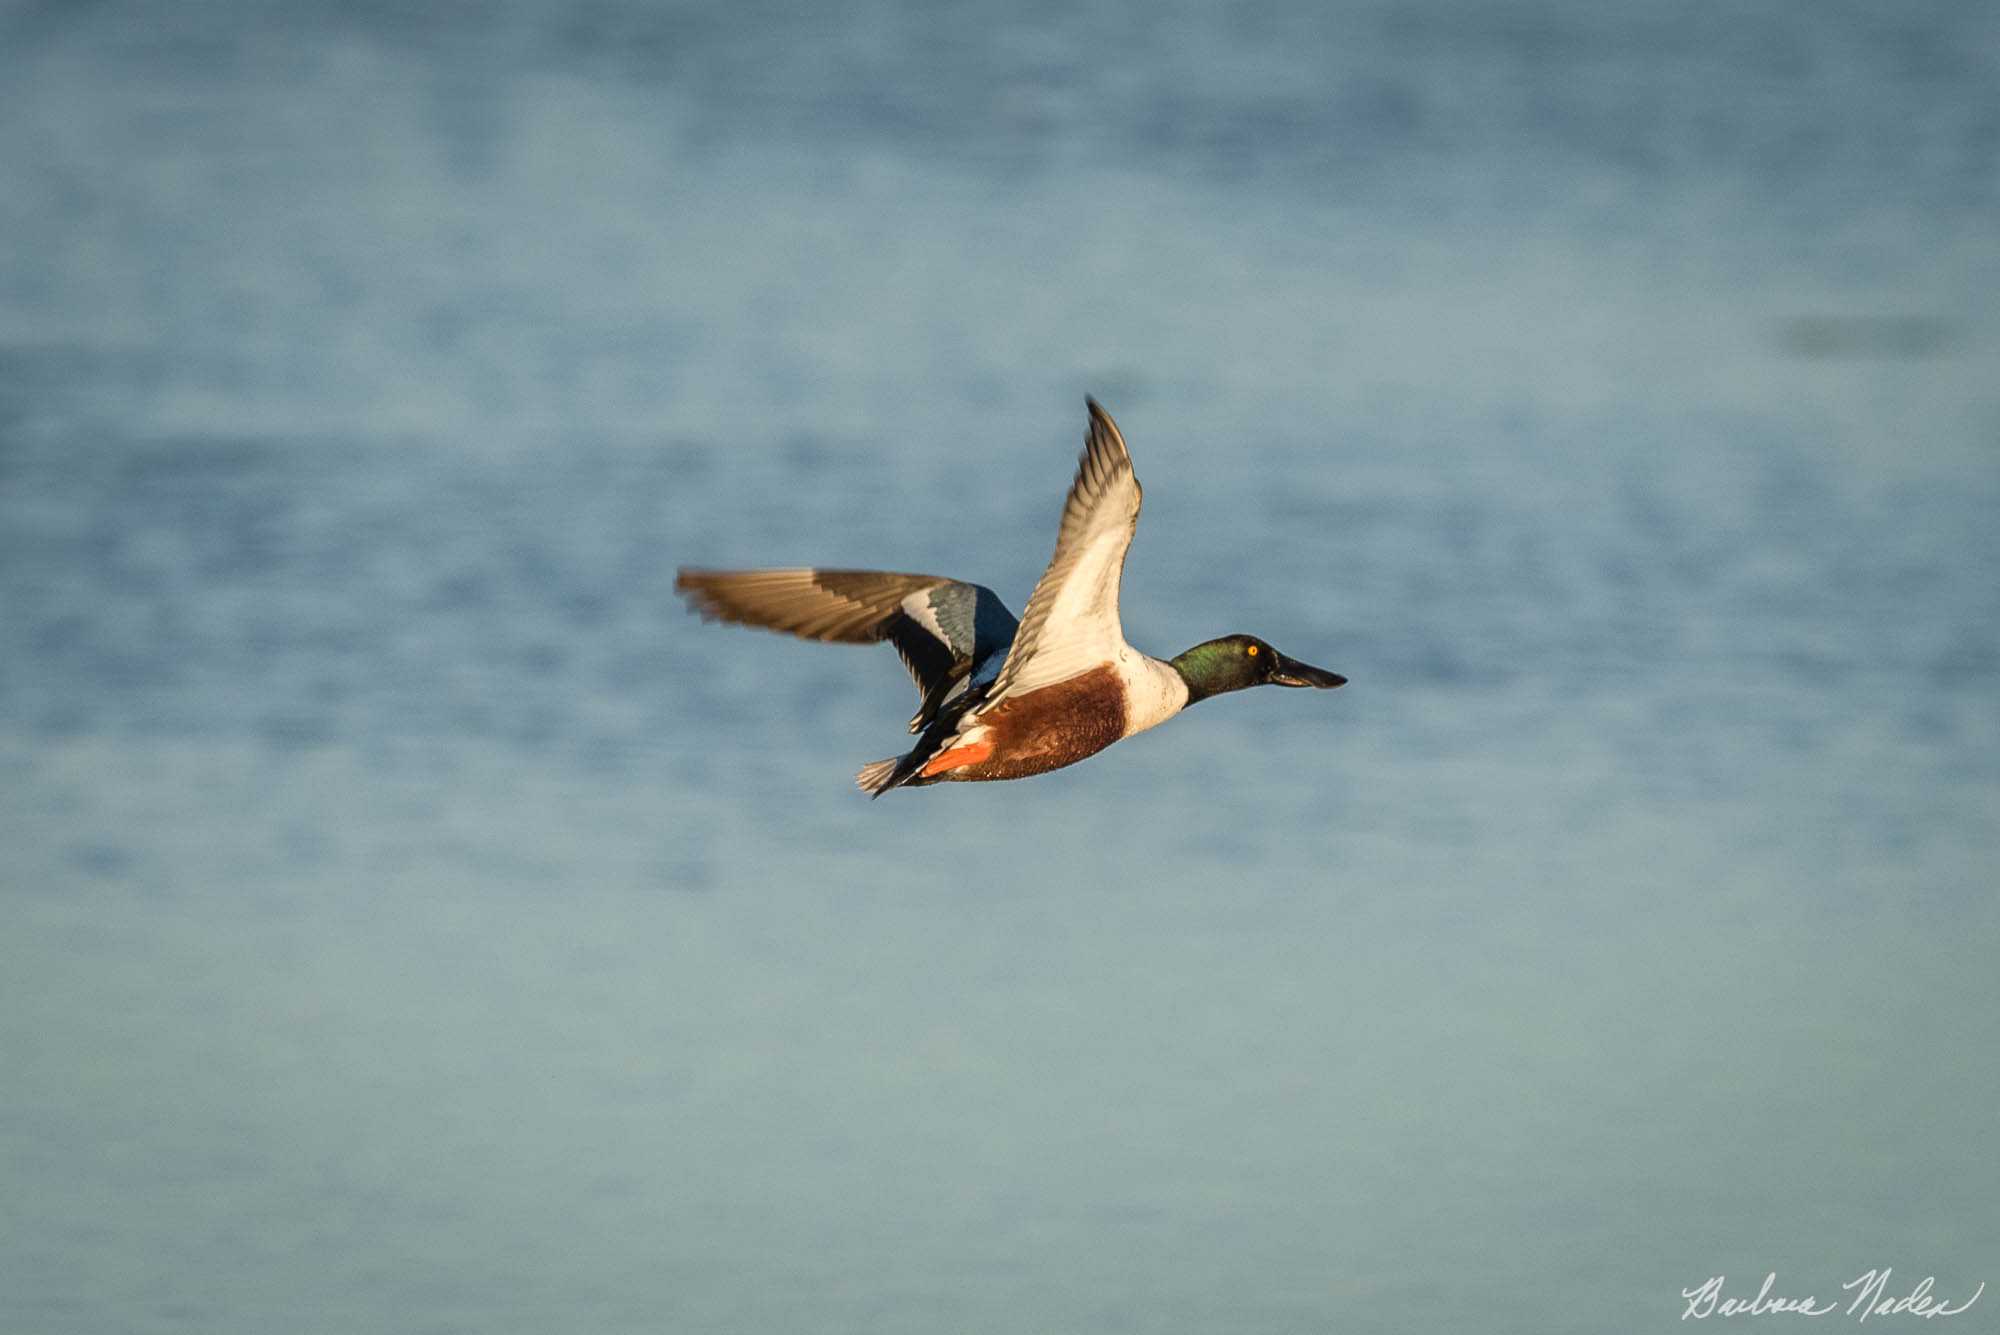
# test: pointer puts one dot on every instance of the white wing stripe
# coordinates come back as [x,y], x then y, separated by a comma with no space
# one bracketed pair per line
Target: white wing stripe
[918,608]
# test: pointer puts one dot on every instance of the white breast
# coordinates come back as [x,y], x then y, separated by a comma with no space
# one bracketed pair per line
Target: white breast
[1154,691]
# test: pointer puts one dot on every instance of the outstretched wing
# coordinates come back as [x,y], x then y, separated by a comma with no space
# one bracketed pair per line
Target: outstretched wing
[1071,624]
[943,628]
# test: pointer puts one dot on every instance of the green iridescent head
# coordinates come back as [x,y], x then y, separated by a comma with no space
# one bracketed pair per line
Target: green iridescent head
[1236,661]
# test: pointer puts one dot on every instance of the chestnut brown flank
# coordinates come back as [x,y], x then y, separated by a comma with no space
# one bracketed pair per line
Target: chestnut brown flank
[1055,726]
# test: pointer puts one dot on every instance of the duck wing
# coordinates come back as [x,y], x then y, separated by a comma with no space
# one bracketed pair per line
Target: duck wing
[944,629]
[1071,624]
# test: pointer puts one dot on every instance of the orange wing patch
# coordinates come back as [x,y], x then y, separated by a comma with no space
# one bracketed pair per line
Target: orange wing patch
[956,758]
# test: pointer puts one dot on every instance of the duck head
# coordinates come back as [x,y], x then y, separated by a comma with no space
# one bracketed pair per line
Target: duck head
[1236,661]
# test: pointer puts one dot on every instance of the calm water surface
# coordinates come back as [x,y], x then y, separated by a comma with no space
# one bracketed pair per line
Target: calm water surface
[414,921]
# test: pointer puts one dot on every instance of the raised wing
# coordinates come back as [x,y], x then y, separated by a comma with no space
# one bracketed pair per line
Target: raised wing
[1071,624]
[942,628]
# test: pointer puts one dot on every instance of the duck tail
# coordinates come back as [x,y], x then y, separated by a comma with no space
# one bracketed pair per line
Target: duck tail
[878,778]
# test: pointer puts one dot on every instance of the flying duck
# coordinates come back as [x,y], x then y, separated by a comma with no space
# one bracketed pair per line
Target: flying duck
[1003,699]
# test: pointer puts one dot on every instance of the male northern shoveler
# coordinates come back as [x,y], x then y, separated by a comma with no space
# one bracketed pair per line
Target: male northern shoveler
[1001,699]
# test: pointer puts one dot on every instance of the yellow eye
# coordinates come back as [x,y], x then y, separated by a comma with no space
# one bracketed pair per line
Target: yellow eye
[1250,649]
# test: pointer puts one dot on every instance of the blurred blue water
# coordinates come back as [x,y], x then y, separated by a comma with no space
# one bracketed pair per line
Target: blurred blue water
[415,921]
